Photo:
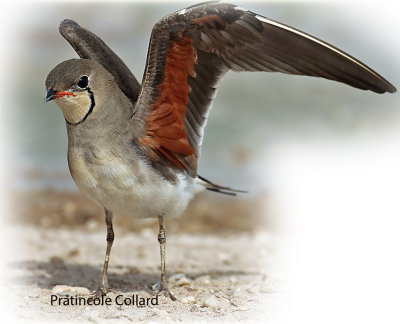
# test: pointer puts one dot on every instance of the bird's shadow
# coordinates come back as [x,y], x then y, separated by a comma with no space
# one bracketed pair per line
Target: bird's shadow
[122,278]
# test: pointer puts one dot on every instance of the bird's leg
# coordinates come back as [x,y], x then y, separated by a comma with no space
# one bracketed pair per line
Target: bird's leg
[104,287]
[162,239]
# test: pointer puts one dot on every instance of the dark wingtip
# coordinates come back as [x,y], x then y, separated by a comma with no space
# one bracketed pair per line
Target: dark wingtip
[69,22]
[387,87]
[391,88]
[67,25]
[382,85]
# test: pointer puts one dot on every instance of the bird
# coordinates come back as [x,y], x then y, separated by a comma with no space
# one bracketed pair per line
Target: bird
[134,147]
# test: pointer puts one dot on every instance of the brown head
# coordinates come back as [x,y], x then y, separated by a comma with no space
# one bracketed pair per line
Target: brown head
[77,86]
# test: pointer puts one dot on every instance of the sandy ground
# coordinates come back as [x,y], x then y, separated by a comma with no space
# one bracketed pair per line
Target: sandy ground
[220,276]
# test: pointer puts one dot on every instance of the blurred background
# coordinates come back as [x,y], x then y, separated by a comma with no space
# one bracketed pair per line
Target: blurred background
[253,115]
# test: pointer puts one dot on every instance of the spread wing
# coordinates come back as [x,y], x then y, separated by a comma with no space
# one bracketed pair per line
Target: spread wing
[191,50]
[88,46]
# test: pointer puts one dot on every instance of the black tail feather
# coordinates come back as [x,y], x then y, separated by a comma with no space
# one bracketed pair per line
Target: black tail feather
[220,189]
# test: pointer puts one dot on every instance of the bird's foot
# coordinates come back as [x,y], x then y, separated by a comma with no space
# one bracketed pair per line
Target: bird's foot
[164,291]
[101,291]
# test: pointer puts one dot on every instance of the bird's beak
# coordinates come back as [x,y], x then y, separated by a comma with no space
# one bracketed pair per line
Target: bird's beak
[50,95]
[53,94]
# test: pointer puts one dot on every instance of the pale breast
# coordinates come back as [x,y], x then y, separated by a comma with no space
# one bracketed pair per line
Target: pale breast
[128,187]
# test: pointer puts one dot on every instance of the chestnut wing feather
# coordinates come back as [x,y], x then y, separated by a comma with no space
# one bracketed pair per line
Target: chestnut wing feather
[179,86]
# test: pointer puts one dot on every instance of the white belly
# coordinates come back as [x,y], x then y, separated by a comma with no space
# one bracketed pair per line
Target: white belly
[134,191]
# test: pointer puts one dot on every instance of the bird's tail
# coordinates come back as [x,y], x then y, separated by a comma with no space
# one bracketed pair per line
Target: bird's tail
[217,188]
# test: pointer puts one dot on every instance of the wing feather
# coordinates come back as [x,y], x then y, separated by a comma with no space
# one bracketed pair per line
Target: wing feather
[213,38]
[89,46]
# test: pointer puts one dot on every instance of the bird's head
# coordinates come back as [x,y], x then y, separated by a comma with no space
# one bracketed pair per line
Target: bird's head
[72,84]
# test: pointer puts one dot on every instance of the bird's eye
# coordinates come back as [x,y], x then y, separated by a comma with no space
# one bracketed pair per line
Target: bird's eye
[83,82]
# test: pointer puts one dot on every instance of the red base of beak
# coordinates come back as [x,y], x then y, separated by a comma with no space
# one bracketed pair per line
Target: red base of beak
[53,94]
[60,94]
